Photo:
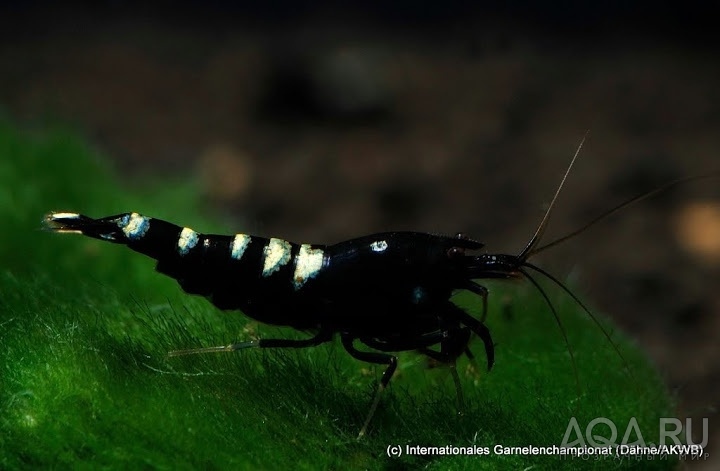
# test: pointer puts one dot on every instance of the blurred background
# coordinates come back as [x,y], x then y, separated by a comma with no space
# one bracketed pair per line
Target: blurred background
[318,123]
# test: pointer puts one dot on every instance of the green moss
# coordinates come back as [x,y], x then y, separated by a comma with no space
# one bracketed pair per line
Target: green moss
[85,327]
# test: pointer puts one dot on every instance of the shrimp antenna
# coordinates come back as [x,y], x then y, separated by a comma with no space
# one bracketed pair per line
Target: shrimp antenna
[529,248]
[625,204]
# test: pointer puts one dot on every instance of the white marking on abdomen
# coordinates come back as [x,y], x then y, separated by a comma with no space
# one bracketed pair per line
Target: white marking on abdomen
[277,254]
[51,222]
[379,246]
[238,246]
[135,226]
[308,263]
[64,216]
[187,240]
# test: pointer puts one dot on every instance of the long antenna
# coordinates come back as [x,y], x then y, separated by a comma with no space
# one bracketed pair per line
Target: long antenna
[528,250]
[558,322]
[617,208]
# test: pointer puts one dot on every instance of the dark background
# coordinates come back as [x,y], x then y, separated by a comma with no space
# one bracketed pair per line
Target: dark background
[317,123]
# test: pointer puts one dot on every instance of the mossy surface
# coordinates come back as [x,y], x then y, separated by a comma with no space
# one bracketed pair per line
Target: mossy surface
[85,328]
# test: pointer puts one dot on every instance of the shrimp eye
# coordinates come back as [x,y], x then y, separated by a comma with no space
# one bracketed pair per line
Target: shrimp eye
[454,252]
